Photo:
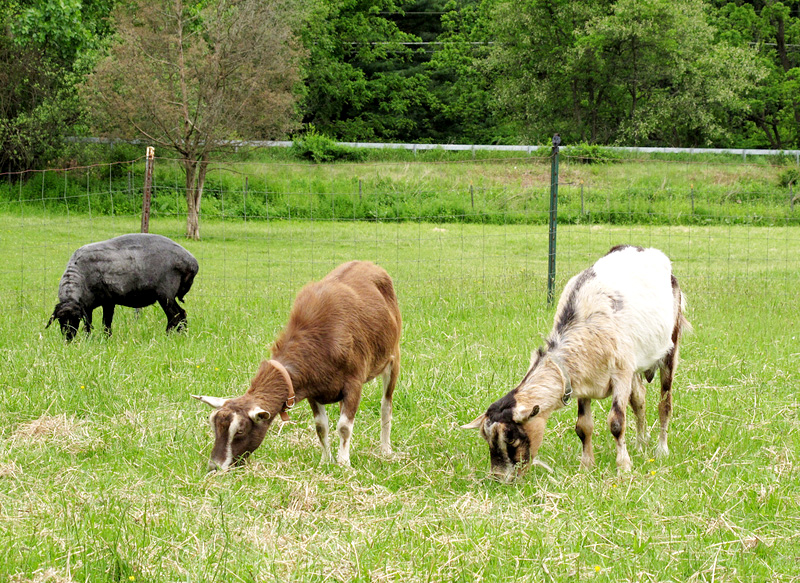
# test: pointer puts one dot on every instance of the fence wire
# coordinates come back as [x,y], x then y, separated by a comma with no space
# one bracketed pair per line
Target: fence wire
[267,229]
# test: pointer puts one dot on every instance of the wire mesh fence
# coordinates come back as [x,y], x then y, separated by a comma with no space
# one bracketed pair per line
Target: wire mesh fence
[269,228]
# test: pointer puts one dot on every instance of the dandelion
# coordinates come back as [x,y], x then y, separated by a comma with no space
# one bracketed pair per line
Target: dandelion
[597,568]
[216,368]
[652,472]
[651,460]
[132,578]
[83,386]
[198,366]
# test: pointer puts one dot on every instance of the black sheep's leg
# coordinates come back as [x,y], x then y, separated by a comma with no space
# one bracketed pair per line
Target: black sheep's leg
[176,316]
[87,321]
[108,316]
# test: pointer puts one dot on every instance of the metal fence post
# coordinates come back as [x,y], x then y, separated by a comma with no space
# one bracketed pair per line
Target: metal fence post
[148,183]
[551,257]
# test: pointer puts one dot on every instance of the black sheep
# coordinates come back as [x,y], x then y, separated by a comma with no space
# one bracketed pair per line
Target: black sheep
[134,270]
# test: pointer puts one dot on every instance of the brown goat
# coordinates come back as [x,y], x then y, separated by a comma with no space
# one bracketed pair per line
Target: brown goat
[343,331]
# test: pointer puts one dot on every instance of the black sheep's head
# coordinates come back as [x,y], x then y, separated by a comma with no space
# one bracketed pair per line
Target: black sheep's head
[69,315]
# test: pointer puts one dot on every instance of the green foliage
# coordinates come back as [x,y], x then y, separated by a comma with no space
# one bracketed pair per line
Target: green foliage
[318,148]
[629,72]
[436,185]
[45,48]
[592,154]
[789,177]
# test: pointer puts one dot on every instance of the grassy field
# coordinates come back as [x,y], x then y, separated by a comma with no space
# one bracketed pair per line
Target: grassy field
[435,186]
[102,452]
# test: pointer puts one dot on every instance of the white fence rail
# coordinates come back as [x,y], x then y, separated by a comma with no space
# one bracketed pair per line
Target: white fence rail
[743,152]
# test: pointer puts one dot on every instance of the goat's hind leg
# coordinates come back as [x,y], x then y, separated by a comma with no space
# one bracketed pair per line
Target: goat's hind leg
[667,373]
[638,400]
[389,381]
[176,316]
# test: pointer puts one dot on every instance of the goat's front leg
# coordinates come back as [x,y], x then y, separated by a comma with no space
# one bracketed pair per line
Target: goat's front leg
[347,415]
[108,316]
[321,424]
[87,321]
[621,394]
[584,428]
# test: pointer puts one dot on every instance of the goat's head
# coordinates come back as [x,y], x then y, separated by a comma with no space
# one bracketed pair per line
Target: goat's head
[513,426]
[69,315]
[239,426]
[512,444]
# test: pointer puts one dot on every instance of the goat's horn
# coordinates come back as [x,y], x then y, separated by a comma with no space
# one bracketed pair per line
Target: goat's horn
[215,402]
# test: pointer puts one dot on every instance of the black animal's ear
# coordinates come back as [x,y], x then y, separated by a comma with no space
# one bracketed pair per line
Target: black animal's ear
[50,321]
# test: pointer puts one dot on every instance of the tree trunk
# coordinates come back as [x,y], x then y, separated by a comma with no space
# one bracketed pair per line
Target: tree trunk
[195,182]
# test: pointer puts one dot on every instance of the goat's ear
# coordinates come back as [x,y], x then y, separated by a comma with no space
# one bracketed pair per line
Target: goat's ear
[535,356]
[215,402]
[475,423]
[522,413]
[257,414]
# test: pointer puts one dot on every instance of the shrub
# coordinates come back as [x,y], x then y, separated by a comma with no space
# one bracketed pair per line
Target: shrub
[319,148]
[789,177]
[592,154]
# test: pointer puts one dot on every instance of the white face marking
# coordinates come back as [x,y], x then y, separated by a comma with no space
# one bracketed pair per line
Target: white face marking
[236,424]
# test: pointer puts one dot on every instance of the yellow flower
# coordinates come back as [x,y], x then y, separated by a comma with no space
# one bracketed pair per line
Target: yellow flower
[597,568]
[132,578]
[651,460]
[83,386]
[652,472]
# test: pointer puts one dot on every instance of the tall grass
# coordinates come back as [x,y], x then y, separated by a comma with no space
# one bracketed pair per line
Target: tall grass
[435,185]
[102,451]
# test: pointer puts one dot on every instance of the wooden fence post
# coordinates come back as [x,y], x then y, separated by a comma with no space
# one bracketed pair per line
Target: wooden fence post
[148,184]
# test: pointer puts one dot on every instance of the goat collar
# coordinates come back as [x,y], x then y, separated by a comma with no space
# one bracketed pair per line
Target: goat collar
[290,399]
[567,383]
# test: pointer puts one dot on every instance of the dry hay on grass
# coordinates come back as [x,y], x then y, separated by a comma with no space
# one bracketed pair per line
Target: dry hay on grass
[49,575]
[62,431]
[8,469]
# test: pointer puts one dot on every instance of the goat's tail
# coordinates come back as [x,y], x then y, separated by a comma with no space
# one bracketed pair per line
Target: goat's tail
[186,284]
[684,326]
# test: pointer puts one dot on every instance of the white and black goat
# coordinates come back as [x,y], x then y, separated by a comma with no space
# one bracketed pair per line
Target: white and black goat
[615,321]
[343,331]
[134,270]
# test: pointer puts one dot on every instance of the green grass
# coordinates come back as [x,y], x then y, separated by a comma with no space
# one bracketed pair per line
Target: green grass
[102,452]
[434,186]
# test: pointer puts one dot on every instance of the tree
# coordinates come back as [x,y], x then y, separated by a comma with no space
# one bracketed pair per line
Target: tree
[774,110]
[190,75]
[46,46]
[629,72]
[361,83]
